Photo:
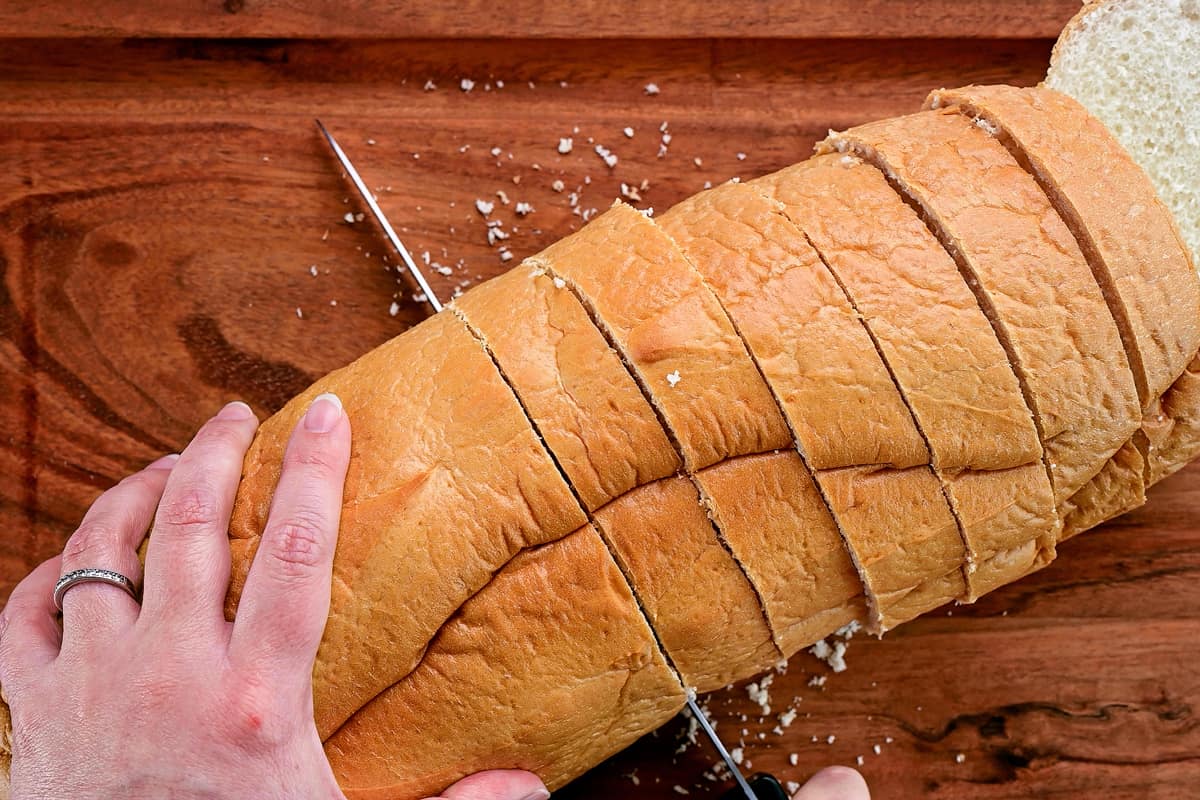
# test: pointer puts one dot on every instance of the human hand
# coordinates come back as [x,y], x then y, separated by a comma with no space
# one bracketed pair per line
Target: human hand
[167,698]
[834,783]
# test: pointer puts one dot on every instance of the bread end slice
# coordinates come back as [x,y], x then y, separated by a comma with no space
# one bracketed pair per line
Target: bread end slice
[1133,65]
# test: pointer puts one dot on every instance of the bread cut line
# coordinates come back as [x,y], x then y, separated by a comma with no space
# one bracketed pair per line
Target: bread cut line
[665,452]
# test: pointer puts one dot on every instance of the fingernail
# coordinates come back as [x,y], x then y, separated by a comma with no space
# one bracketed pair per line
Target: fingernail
[323,414]
[235,410]
[166,462]
[540,794]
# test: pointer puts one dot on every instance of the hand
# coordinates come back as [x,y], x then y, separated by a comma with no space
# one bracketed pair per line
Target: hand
[834,783]
[166,698]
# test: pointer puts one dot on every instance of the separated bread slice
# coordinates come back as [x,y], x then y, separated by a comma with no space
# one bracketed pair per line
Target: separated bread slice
[550,668]
[1132,63]
[698,601]
[833,388]
[673,335]
[581,398]
[447,482]
[1028,275]
[943,355]
[773,518]
[1121,61]
[1107,201]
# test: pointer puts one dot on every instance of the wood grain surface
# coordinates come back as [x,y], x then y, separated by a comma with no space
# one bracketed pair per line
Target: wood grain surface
[163,203]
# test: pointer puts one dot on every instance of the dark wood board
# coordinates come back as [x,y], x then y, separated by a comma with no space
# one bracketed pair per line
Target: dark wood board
[163,201]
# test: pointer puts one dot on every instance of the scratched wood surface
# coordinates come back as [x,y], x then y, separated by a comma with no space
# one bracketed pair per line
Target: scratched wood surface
[163,203]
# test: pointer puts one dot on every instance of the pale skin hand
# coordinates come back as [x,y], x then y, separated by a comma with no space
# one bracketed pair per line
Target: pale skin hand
[168,699]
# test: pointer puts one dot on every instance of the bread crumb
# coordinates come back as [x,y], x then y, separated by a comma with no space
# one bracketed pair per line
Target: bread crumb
[628,132]
[960,758]
[738,754]
[559,283]
[484,207]
[523,209]
[299,313]
[858,760]
[349,217]
[679,789]
[987,127]
[699,162]
[495,151]
[794,759]
[817,680]
[312,270]
[740,156]
[608,156]
[558,186]
[503,197]
[393,309]
[673,378]
[830,739]
[565,144]
[877,749]
[651,88]
[833,655]
[792,787]
[430,85]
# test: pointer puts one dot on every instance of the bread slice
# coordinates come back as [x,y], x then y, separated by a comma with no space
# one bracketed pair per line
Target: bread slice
[774,520]
[1133,65]
[583,401]
[673,335]
[904,539]
[447,482]
[550,667]
[1180,417]
[1028,275]
[1107,201]
[698,601]
[940,350]
[819,360]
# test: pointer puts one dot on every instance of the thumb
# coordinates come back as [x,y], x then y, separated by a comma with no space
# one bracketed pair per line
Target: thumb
[499,784]
[834,783]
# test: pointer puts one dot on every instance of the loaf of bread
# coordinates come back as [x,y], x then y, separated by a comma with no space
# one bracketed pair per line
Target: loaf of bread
[889,377]
[666,453]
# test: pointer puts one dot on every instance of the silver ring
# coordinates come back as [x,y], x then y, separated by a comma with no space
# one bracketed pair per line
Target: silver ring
[90,574]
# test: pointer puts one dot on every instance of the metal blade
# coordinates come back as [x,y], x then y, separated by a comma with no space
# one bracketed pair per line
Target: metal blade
[707,727]
[376,212]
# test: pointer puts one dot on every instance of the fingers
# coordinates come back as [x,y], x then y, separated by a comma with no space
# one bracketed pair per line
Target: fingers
[108,538]
[834,783]
[285,602]
[187,557]
[29,633]
[499,784]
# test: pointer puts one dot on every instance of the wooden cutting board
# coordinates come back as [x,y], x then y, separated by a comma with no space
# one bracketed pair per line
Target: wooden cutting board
[165,202]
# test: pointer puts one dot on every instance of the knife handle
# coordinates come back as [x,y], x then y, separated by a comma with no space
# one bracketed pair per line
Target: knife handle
[765,787]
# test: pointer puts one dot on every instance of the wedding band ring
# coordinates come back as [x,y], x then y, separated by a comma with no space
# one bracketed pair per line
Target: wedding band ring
[86,575]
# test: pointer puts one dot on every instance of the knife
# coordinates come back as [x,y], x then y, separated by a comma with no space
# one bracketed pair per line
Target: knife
[377,213]
[761,786]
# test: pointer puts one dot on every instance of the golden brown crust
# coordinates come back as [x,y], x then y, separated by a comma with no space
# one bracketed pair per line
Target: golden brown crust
[819,360]
[1117,488]
[1029,271]
[441,456]
[1179,440]
[550,668]
[941,352]
[582,399]
[1106,199]
[670,552]
[772,516]
[795,319]
[909,568]
[665,322]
